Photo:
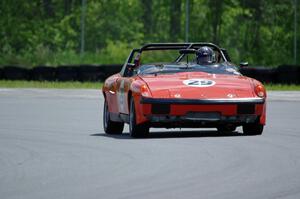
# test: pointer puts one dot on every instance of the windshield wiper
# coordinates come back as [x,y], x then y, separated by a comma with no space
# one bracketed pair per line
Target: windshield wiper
[187,67]
[162,72]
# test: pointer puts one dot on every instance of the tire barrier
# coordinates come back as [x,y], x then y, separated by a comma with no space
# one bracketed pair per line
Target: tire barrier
[284,74]
[90,73]
[1,73]
[43,73]
[67,73]
[111,69]
[263,74]
[15,73]
[288,74]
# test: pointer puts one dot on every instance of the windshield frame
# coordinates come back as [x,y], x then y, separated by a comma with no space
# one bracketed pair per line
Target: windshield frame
[170,68]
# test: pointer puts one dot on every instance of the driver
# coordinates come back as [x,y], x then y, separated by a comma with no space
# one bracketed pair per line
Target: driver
[205,55]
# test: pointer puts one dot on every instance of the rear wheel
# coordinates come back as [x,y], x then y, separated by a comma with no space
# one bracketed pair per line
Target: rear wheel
[111,127]
[253,129]
[136,130]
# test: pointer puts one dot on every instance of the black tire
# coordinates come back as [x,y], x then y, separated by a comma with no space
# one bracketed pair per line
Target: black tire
[226,128]
[111,127]
[253,129]
[141,130]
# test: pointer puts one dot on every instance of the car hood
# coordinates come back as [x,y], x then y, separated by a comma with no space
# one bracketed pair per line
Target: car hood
[199,85]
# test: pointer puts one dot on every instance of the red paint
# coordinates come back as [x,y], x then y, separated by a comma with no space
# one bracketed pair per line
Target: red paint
[118,90]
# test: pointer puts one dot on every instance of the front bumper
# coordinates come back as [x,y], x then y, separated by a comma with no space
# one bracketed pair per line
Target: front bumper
[145,100]
[201,112]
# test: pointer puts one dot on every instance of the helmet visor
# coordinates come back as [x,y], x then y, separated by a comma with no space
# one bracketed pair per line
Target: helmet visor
[205,59]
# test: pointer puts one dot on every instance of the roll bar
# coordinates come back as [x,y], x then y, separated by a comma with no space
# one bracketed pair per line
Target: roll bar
[180,46]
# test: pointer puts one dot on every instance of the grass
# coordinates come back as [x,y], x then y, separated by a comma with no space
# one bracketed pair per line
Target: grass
[98,85]
[282,87]
[48,84]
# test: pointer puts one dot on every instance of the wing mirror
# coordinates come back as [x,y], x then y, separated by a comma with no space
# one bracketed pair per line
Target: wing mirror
[130,66]
[129,69]
[243,64]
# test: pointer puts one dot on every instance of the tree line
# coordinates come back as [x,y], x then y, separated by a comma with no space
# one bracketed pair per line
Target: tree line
[49,31]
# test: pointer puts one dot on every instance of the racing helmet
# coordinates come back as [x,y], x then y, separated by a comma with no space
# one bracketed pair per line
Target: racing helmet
[205,55]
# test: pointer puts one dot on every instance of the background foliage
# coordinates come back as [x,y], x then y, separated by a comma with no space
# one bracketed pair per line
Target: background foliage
[47,32]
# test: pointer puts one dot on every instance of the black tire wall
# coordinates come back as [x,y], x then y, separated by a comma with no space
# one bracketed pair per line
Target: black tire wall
[43,73]
[1,73]
[262,74]
[15,73]
[288,74]
[284,74]
[90,73]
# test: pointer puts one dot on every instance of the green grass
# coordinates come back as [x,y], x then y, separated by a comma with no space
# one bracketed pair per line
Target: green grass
[97,85]
[47,84]
[282,87]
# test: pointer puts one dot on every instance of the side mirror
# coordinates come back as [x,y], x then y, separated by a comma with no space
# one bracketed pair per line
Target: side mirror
[130,66]
[129,69]
[243,64]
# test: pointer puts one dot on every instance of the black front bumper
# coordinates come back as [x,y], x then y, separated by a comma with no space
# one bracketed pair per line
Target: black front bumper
[145,100]
[160,109]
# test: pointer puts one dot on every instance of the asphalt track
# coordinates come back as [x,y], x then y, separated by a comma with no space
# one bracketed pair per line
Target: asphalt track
[52,146]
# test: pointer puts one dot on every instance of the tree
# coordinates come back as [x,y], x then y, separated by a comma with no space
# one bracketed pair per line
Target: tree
[48,8]
[216,11]
[147,16]
[175,20]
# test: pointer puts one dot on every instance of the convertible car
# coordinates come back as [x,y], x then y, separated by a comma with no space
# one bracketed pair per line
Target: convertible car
[185,85]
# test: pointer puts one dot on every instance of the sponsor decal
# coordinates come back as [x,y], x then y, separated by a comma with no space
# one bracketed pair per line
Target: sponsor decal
[231,95]
[121,96]
[177,95]
[199,82]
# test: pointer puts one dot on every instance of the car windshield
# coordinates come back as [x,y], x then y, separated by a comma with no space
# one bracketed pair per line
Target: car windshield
[169,56]
[162,68]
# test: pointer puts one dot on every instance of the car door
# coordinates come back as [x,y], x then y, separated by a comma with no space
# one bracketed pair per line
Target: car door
[123,83]
[123,86]
[110,89]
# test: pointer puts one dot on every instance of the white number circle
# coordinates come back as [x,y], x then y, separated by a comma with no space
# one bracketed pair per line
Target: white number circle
[199,82]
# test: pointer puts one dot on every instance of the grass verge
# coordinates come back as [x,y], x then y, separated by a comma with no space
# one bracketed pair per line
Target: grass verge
[282,87]
[48,84]
[98,85]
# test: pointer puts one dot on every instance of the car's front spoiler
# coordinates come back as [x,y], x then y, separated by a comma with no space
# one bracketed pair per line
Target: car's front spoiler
[184,120]
[146,100]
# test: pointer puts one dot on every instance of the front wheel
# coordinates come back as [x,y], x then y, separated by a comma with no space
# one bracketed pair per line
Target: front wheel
[111,127]
[253,129]
[136,130]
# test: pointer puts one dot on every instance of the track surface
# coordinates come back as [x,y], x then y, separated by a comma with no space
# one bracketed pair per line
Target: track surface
[52,146]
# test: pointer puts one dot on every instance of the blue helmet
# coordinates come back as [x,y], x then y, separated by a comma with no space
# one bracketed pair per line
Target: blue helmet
[205,55]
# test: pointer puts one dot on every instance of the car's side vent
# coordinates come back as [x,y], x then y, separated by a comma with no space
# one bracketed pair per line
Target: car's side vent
[246,109]
[160,109]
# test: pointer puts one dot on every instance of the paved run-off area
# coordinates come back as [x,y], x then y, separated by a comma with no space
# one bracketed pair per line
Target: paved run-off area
[52,146]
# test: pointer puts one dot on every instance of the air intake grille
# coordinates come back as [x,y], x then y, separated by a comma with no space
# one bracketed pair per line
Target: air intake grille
[160,109]
[246,109]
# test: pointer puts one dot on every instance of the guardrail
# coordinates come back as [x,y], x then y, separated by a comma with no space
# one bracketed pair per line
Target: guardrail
[60,73]
[285,74]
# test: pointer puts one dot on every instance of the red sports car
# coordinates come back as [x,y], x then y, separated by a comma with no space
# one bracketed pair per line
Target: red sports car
[174,85]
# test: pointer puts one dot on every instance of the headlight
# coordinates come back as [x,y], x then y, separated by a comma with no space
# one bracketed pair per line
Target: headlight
[145,91]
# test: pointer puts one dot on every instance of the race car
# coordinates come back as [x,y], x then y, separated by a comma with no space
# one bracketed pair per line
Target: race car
[182,85]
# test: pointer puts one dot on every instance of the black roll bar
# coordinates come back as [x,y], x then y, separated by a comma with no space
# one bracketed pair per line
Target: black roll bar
[179,46]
